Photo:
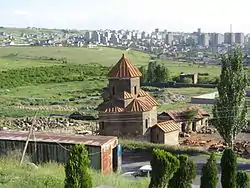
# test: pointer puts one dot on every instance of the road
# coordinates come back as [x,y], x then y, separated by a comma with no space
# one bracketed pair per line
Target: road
[133,161]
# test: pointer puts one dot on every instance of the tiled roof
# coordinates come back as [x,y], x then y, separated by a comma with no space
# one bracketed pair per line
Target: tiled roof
[111,107]
[125,95]
[179,114]
[142,93]
[124,69]
[138,106]
[167,126]
[151,100]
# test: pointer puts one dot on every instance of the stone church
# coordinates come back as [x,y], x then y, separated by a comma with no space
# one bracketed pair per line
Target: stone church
[127,110]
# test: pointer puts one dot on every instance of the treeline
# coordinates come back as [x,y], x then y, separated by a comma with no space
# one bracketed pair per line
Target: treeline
[159,73]
[52,74]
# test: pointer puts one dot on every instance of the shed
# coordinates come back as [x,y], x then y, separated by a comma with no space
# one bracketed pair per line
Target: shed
[46,147]
[166,132]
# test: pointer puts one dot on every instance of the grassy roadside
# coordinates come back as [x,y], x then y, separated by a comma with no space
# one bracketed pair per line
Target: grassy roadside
[51,175]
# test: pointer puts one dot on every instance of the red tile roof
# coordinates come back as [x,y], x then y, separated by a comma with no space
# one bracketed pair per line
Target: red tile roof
[179,114]
[167,126]
[111,107]
[124,69]
[138,106]
[125,95]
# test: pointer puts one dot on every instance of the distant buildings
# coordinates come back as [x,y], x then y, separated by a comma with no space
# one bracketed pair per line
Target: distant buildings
[229,38]
[239,38]
[204,40]
[217,39]
[169,38]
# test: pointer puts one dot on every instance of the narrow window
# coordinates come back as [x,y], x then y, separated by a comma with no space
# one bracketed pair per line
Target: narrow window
[113,90]
[146,123]
[135,90]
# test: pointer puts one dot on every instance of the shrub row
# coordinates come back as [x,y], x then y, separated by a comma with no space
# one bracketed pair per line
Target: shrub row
[53,74]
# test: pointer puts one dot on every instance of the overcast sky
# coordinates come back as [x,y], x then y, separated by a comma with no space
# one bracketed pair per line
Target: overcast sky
[173,15]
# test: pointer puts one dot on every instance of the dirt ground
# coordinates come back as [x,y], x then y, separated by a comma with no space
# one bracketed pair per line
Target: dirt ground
[204,141]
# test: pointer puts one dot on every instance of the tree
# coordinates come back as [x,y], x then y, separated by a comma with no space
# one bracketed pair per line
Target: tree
[144,77]
[242,180]
[151,71]
[190,115]
[230,108]
[228,168]
[186,172]
[209,173]
[77,168]
[164,164]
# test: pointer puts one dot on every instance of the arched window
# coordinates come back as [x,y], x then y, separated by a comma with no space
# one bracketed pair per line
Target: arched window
[146,123]
[113,90]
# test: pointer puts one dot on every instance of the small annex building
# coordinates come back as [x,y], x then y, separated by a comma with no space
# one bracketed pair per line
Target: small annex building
[165,133]
[127,110]
[47,147]
[178,115]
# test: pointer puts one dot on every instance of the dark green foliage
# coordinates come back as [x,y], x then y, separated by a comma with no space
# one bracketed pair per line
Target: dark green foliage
[187,80]
[157,73]
[163,164]
[242,180]
[77,168]
[209,174]
[151,72]
[185,174]
[228,168]
[41,75]
[230,109]
[144,77]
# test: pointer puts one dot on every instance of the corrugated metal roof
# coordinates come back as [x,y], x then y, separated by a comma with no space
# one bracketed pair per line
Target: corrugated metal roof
[57,138]
[138,106]
[124,69]
[168,126]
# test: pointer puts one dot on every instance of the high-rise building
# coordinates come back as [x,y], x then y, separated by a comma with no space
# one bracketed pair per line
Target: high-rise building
[169,38]
[229,38]
[204,40]
[239,38]
[88,36]
[96,37]
[217,39]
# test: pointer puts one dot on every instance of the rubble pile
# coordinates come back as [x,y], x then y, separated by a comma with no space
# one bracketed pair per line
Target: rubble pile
[241,148]
[48,123]
[193,142]
[207,130]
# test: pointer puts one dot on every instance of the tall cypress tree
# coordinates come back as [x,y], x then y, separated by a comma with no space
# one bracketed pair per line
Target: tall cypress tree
[77,168]
[230,108]
[228,168]
[209,174]
[185,174]
[242,180]
[164,164]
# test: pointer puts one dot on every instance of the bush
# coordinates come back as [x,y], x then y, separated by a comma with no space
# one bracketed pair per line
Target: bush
[242,180]
[228,168]
[77,168]
[163,164]
[185,174]
[187,80]
[209,174]
[42,75]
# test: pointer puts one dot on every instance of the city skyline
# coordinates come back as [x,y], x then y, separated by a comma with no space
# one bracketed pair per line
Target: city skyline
[215,16]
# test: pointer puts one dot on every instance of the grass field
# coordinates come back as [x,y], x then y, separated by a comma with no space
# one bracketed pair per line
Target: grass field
[51,175]
[68,90]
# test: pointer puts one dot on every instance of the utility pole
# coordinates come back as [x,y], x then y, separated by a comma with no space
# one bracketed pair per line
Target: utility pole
[27,140]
